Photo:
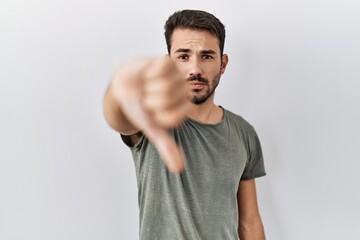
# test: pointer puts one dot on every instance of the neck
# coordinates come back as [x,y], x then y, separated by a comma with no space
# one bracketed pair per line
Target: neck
[206,112]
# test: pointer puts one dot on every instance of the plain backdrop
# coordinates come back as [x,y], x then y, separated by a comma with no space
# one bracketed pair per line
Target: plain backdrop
[294,74]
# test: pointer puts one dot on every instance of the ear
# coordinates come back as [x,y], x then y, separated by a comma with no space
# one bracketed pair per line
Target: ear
[224,62]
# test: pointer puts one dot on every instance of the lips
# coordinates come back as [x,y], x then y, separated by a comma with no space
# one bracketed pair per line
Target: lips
[195,85]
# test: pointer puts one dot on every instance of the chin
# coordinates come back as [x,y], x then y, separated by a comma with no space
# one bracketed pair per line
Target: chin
[197,99]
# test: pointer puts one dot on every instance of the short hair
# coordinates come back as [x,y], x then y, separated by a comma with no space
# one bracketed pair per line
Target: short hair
[196,20]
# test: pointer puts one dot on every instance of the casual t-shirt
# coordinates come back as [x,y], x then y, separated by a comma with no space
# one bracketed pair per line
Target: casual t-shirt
[201,202]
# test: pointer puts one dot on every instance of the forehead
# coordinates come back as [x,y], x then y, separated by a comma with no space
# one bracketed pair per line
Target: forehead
[194,39]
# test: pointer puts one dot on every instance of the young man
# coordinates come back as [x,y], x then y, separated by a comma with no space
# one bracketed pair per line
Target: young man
[195,161]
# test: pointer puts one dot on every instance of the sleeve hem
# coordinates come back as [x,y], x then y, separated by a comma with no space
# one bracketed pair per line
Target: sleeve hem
[253,176]
[126,140]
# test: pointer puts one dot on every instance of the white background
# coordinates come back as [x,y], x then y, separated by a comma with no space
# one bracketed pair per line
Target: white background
[294,73]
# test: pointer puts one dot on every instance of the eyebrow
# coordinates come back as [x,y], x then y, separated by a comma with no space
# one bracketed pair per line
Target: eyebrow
[208,52]
[187,50]
[182,50]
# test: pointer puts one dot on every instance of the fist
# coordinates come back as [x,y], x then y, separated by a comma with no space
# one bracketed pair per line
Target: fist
[164,92]
[152,95]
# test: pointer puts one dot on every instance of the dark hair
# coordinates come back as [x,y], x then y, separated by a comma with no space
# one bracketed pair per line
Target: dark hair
[197,20]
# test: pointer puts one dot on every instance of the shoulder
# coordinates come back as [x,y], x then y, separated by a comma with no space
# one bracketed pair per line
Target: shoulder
[239,122]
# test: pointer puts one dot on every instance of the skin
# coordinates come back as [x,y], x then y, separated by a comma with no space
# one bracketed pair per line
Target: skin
[129,106]
[250,224]
[197,53]
[153,94]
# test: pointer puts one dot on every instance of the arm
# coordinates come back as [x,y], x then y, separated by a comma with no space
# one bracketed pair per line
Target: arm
[148,94]
[113,112]
[250,224]
[122,104]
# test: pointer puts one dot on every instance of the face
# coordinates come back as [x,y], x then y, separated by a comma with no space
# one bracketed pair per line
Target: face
[197,55]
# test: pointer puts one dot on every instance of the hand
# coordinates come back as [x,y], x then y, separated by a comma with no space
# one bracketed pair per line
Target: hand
[152,94]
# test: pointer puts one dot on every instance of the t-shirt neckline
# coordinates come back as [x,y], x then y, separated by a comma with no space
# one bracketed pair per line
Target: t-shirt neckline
[210,124]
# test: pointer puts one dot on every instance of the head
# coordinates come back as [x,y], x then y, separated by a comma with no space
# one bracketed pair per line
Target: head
[195,41]
[195,20]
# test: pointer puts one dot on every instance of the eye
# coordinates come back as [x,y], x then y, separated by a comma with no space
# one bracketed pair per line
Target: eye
[183,57]
[207,56]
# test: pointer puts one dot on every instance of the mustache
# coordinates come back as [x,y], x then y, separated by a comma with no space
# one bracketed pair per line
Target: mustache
[197,78]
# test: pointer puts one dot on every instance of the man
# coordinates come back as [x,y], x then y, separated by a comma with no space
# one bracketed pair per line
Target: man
[195,161]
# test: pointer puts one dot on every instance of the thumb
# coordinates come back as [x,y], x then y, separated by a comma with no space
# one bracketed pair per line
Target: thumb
[169,151]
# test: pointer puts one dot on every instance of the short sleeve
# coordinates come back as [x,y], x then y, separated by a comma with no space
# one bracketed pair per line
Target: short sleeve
[255,165]
[140,138]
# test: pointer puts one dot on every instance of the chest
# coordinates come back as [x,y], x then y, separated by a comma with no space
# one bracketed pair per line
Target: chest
[214,158]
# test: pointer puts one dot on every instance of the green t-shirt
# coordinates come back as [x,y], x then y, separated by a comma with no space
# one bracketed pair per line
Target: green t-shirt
[201,202]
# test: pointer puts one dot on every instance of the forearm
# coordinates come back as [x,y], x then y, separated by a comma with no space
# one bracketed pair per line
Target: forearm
[251,231]
[113,112]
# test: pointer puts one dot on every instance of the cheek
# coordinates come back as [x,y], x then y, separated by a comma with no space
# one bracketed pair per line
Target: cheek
[212,70]
[214,66]
[180,66]
[182,69]
[177,62]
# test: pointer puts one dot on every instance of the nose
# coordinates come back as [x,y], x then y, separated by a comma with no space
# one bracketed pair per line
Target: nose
[195,68]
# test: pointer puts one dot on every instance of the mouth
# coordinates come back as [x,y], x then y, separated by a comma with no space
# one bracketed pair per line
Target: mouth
[197,86]
[196,83]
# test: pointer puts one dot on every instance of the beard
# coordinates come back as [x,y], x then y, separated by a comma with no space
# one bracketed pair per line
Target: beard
[195,96]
